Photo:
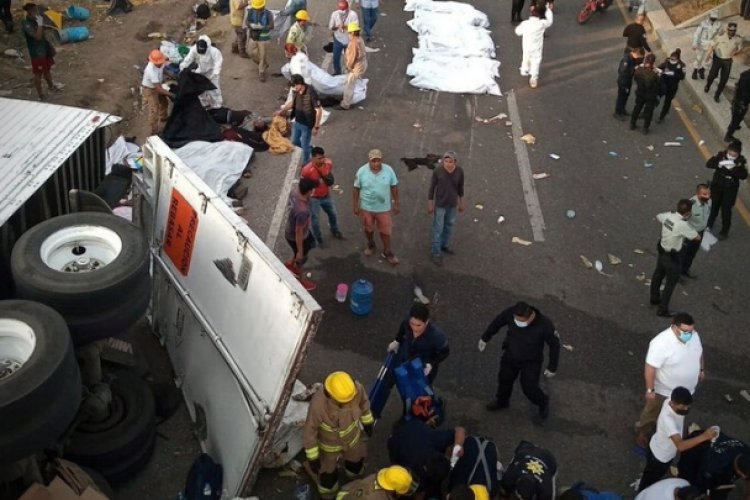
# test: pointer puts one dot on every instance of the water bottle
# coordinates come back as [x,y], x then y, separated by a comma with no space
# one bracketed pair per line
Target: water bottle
[361,297]
[342,290]
[303,492]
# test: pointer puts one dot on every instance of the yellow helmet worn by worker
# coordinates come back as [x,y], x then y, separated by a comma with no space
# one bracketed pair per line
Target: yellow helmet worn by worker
[340,386]
[480,492]
[395,478]
[257,4]
[302,15]
[352,27]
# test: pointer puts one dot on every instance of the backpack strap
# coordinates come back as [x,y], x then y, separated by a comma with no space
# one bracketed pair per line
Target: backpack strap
[481,460]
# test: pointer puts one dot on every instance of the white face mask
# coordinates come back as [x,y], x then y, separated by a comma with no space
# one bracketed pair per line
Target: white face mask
[730,157]
[674,61]
[520,324]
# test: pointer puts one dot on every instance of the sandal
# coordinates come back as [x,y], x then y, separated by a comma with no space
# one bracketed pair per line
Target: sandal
[370,249]
[392,259]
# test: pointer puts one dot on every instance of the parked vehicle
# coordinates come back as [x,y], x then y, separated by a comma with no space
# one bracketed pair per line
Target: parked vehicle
[591,7]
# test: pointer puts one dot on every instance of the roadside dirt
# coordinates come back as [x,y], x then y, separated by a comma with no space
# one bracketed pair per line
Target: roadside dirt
[680,11]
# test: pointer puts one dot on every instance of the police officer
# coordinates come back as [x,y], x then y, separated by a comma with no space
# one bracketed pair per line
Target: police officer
[730,167]
[528,331]
[702,38]
[701,208]
[648,86]
[739,105]
[625,72]
[531,474]
[417,337]
[672,73]
[714,467]
[722,50]
[674,230]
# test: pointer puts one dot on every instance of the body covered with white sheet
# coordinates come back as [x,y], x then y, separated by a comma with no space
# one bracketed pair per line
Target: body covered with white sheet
[531,32]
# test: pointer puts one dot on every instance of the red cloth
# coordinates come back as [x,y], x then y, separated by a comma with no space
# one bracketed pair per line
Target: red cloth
[316,174]
[40,65]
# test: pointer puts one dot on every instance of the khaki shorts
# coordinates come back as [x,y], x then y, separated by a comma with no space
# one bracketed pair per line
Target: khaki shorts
[382,220]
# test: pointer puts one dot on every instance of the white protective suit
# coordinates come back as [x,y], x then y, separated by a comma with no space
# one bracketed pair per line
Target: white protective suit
[532,32]
[704,34]
[209,65]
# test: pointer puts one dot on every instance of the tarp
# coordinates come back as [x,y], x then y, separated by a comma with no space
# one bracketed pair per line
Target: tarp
[189,120]
[323,83]
[456,52]
[218,164]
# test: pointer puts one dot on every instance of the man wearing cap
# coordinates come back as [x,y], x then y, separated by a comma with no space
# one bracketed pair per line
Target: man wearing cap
[297,230]
[42,52]
[356,64]
[722,51]
[740,103]
[445,199]
[523,353]
[205,59]
[531,474]
[674,231]
[332,431]
[374,197]
[338,24]
[307,113]
[387,484]
[260,24]
[154,94]
[236,18]
[297,35]
[704,34]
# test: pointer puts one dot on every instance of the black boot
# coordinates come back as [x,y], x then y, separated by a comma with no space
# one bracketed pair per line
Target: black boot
[702,74]
[695,74]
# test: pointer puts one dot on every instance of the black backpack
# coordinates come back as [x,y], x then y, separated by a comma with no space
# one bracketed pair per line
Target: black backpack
[204,480]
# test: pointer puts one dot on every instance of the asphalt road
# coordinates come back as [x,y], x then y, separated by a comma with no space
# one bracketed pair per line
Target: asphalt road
[598,391]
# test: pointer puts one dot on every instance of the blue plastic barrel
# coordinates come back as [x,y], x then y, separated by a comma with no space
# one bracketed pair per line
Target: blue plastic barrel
[361,297]
[77,34]
[78,13]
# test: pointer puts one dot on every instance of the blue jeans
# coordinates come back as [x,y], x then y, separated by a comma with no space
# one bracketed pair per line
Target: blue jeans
[302,137]
[369,18]
[338,48]
[442,226]
[329,208]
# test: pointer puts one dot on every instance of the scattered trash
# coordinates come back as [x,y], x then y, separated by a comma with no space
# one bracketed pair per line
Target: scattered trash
[308,275]
[641,277]
[745,394]
[648,164]
[500,219]
[598,265]
[701,143]
[476,220]
[157,34]
[100,80]
[697,109]
[650,147]
[13,53]
[568,347]
[672,144]
[647,282]
[497,117]
[570,214]
[554,156]
[728,398]
[419,296]
[371,49]
[638,251]
[528,139]
[508,123]
[630,353]
[684,293]
[520,241]
[717,288]
[417,125]
[586,262]
[308,393]
[542,175]
[613,154]
[479,206]
[679,138]
[613,259]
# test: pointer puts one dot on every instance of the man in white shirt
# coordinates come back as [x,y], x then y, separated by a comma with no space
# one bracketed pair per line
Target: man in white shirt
[674,230]
[667,440]
[671,488]
[338,25]
[206,60]
[674,359]
[153,92]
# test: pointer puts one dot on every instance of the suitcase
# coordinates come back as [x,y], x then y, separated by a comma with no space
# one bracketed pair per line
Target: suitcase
[381,389]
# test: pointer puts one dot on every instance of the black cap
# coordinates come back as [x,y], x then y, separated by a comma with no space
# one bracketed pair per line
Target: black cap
[522,309]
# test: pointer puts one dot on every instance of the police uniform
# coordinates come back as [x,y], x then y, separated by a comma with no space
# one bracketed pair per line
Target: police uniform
[530,462]
[740,104]
[709,466]
[648,84]
[699,213]
[704,34]
[674,230]
[724,186]
[671,76]
[724,48]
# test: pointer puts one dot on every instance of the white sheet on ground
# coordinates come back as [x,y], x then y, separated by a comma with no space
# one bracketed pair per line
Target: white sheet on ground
[219,164]
[323,83]
[456,52]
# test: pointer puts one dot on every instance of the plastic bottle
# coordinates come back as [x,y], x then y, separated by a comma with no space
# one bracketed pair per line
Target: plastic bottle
[361,297]
[342,290]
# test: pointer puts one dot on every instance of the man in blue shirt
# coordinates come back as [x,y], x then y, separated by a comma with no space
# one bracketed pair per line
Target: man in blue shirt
[417,337]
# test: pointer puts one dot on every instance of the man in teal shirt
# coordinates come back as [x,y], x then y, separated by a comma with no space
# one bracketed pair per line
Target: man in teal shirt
[375,196]
[40,50]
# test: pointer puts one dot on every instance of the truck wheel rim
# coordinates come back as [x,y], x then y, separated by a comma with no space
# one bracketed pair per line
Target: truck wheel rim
[80,249]
[17,343]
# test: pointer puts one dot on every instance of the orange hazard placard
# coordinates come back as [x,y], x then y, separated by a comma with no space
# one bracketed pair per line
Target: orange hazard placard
[179,236]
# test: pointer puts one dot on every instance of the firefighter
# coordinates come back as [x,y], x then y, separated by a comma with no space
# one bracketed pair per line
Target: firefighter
[386,484]
[332,431]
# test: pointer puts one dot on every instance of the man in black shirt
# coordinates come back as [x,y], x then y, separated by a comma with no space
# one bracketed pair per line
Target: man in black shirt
[417,337]
[648,84]
[730,167]
[531,474]
[715,466]
[307,113]
[636,34]
[528,331]
[625,72]
[739,105]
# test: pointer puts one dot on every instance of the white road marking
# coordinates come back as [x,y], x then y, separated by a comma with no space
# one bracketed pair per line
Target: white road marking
[281,203]
[524,169]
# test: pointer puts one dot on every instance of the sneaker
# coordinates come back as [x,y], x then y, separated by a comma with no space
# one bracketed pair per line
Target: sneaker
[702,74]
[437,260]
[370,249]
[533,83]
[390,258]
[706,88]
[496,405]
[292,267]
[448,250]
[695,74]
[307,284]
[338,235]
[716,98]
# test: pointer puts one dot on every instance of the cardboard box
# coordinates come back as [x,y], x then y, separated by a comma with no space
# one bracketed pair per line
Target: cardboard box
[59,490]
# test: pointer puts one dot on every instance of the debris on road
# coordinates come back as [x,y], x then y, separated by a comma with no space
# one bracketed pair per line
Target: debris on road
[613,154]
[598,265]
[554,156]
[613,259]
[672,144]
[520,241]
[568,347]
[745,394]
[308,393]
[419,296]
[630,353]
[638,251]
[13,53]
[508,123]
[500,219]
[528,139]
[728,398]
[717,288]
[650,147]
[701,143]
[570,214]
[697,109]
[497,117]
[648,164]
[539,176]
[679,138]
[586,262]
[479,206]
[641,277]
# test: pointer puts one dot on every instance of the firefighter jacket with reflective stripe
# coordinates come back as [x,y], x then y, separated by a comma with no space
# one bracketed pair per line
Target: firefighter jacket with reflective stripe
[364,489]
[331,427]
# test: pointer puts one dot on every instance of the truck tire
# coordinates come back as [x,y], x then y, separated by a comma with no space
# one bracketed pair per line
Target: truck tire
[111,322]
[40,384]
[81,261]
[127,433]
